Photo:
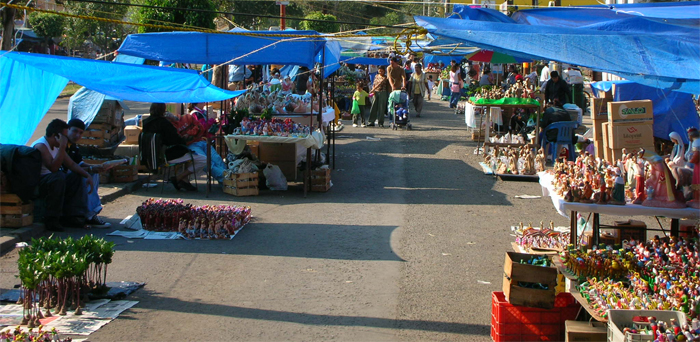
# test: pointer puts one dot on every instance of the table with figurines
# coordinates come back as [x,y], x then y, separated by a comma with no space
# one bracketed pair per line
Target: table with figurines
[633,186]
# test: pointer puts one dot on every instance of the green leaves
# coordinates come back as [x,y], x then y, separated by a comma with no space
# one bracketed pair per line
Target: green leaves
[47,25]
[330,26]
[169,16]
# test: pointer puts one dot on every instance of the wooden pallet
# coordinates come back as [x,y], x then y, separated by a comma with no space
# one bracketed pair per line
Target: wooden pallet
[242,184]
[14,213]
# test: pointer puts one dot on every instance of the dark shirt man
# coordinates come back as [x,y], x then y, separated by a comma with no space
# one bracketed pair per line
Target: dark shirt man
[302,80]
[555,113]
[557,88]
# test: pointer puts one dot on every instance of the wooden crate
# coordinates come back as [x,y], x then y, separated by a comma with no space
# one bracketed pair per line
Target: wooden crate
[124,173]
[242,184]
[14,213]
[320,180]
[515,272]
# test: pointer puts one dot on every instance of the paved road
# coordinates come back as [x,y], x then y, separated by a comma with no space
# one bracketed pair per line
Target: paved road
[407,246]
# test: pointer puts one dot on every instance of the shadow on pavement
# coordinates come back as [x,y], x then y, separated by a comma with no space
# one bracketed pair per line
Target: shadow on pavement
[317,241]
[173,304]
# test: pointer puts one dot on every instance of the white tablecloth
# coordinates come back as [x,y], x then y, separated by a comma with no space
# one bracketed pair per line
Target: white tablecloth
[470,114]
[314,140]
[563,208]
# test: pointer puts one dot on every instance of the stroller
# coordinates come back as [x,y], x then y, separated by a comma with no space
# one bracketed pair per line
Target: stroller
[399,118]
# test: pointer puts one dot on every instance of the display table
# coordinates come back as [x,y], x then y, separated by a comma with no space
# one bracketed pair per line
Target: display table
[314,140]
[563,207]
[502,103]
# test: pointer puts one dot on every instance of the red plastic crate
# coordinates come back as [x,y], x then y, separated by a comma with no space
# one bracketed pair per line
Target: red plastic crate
[518,323]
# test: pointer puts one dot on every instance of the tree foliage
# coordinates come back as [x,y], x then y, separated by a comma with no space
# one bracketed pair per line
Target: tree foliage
[329,26]
[47,25]
[182,16]
[104,35]
[390,19]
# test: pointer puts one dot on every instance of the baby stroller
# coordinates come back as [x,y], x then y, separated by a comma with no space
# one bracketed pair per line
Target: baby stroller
[399,118]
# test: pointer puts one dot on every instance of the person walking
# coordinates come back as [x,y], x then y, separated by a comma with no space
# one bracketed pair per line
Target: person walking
[419,86]
[360,96]
[455,85]
[380,89]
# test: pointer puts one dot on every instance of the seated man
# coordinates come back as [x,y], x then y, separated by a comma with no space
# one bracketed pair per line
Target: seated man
[555,113]
[176,151]
[76,127]
[63,192]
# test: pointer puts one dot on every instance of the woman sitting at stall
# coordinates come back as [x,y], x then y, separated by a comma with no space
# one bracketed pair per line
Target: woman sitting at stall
[176,150]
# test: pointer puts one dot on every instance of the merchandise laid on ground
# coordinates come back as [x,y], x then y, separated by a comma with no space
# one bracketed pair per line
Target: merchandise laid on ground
[63,290]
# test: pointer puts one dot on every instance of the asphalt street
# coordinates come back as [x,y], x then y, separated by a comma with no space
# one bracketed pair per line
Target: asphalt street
[407,246]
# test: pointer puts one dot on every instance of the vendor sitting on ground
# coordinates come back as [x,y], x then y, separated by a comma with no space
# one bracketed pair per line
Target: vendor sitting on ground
[76,127]
[192,131]
[63,193]
[176,150]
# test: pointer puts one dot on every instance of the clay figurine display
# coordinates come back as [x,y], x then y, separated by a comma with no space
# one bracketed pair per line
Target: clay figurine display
[661,191]
[274,127]
[193,222]
[694,160]
[511,160]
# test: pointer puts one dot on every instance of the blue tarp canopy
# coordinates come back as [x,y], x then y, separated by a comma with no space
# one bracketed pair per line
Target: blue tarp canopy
[673,111]
[30,84]
[678,13]
[655,54]
[469,12]
[430,58]
[364,60]
[219,48]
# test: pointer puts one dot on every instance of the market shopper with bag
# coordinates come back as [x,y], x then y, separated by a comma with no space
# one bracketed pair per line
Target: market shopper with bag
[380,89]
[419,87]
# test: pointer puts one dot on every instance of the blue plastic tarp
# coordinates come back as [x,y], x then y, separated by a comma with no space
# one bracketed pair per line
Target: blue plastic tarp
[469,12]
[657,59]
[85,103]
[218,48]
[332,56]
[364,60]
[673,111]
[430,58]
[678,13]
[30,83]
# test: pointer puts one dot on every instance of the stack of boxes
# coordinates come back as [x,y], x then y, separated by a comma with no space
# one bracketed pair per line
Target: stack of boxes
[106,128]
[630,126]
[618,125]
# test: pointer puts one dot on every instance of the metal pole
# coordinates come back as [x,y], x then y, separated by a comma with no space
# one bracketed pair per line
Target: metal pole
[283,14]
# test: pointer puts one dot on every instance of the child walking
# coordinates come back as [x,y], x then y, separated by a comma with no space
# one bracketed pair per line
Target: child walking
[360,96]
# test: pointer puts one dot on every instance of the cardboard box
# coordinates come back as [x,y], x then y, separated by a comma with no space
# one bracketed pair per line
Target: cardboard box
[132,135]
[630,135]
[289,169]
[585,331]
[599,108]
[599,148]
[606,144]
[515,272]
[277,152]
[254,147]
[631,111]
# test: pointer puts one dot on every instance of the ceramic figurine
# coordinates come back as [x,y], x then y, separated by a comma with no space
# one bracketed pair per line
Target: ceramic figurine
[618,195]
[694,160]
[663,190]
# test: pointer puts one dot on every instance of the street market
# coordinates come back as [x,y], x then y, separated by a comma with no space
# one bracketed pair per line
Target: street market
[241,184]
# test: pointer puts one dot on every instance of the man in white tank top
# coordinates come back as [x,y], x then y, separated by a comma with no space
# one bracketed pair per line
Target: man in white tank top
[63,194]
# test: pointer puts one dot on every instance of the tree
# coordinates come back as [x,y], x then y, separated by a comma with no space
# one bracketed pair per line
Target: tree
[165,16]
[390,19]
[47,25]
[8,28]
[330,26]
[104,35]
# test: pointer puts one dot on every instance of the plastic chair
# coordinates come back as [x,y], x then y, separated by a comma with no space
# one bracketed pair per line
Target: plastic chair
[565,135]
[152,154]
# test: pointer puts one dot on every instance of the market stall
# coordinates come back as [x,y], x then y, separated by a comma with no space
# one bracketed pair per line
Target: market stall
[301,48]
